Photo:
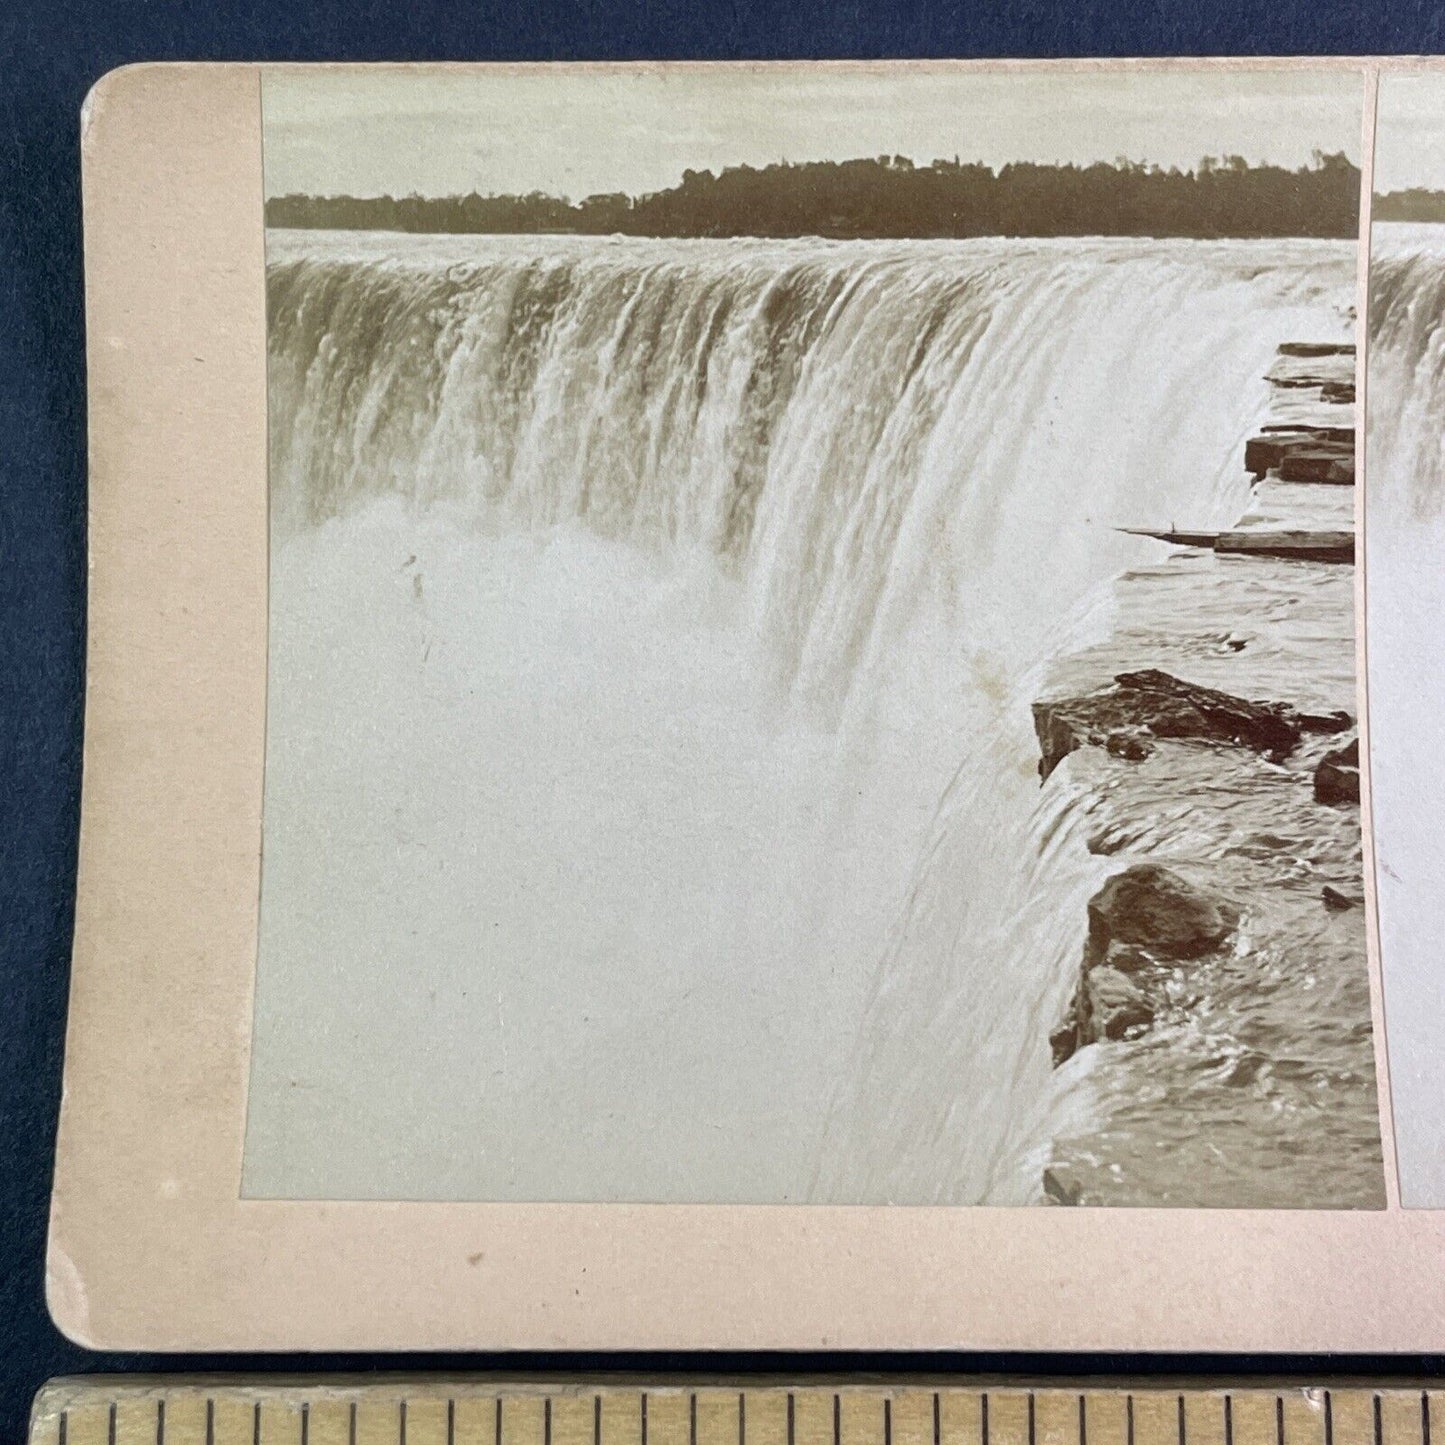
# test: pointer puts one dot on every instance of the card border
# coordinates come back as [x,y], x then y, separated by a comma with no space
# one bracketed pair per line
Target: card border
[151,1246]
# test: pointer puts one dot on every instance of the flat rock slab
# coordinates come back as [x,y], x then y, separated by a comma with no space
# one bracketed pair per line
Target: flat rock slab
[1314,434]
[1303,454]
[1319,370]
[1155,704]
[1317,348]
[1299,546]
[1320,465]
[1303,380]
[1334,547]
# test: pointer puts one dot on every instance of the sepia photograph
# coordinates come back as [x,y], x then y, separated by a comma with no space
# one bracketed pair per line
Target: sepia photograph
[811,645]
[1405,540]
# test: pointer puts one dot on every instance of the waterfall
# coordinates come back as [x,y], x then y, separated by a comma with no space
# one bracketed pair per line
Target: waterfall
[881,480]
[1407,372]
[1405,599]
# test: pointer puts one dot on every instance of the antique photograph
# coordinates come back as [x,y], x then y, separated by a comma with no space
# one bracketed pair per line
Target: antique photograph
[1406,594]
[812,644]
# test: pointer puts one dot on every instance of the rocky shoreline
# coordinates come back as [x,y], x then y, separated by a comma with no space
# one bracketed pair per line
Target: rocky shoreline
[1168,923]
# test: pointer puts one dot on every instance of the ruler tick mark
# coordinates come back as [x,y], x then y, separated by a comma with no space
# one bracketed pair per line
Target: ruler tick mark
[274,1413]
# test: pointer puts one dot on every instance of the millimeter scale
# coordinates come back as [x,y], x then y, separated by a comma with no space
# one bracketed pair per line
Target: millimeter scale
[438,1410]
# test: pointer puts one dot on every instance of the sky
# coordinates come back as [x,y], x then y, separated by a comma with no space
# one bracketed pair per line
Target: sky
[1410,132]
[576,130]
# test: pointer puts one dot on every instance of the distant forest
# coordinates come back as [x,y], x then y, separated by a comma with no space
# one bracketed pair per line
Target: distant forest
[891,196]
[1416,204]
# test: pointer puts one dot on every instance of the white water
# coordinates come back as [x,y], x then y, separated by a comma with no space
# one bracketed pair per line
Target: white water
[1405,544]
[649,772]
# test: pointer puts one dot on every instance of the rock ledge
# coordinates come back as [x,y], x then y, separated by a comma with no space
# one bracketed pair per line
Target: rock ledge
[1154,704]
[1143,923]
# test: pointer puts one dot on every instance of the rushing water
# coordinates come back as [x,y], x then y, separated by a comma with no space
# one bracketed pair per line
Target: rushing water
[1405,545]
[651,804]
[1407,372]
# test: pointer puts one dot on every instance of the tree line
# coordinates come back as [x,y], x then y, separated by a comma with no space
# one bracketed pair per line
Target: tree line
[1416,204]
[891,196]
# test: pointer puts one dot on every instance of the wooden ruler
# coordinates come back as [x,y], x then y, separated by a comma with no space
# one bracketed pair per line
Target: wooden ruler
[120,1410]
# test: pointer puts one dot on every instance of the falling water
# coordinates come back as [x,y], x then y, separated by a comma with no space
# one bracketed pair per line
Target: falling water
[1405,540]
[742,559]
[1407,371]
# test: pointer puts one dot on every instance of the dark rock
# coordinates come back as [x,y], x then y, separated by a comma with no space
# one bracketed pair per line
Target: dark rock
[1058,1190]
[1337,778]
[1317,348]
[1333,546]
[1319,465]
[1134,747]
[1127,959]
[1319,433]
[1316,546]
[1154,704]
[1302,381]
[1118,1006]
[1338,721]
[1338,902]
[1157,911]
[1065,1041]
[1143,923]
[1338,391]
[1271,450]
[1262,453]
[1108,842]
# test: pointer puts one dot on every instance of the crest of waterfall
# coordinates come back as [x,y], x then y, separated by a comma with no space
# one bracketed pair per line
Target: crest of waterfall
[1404,537]
[908,460]
[1407,372]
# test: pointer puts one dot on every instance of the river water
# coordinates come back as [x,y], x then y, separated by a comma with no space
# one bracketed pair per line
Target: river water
[651,800]
[1405,544]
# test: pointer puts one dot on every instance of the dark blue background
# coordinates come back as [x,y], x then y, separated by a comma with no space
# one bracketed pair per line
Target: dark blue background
[50,53]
